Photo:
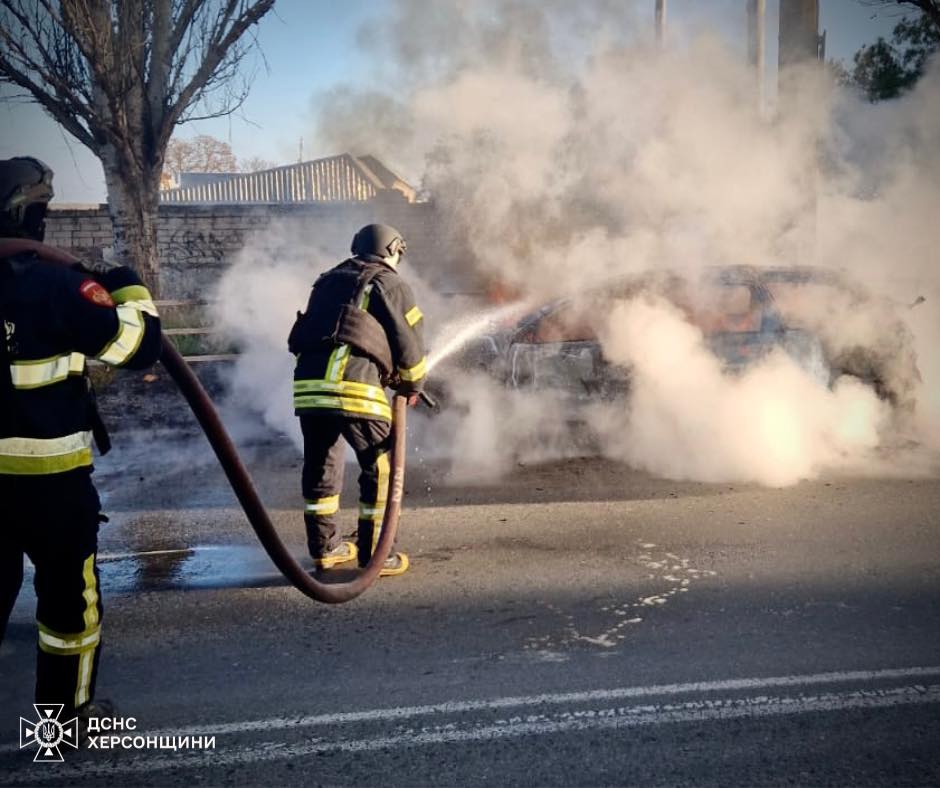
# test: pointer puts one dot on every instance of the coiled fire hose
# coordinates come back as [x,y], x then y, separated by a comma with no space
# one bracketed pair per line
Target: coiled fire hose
[242,485]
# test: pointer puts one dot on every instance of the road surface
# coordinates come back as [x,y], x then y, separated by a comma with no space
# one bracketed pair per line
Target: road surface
[579,623]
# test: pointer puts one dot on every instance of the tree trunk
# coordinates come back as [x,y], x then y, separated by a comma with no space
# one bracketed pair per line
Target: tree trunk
[133,201]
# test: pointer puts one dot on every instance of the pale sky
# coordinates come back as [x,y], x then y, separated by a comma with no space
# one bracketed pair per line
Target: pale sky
[310,46]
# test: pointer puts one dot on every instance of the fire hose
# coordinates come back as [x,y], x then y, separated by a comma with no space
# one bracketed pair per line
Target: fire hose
[242,485]
[238,476]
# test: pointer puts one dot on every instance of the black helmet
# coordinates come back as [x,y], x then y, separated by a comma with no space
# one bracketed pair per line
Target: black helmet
[25,191]
[375,242]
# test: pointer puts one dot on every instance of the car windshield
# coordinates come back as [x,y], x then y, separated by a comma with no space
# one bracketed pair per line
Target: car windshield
[713,305]
[718,308]
[715,308]
[570,322]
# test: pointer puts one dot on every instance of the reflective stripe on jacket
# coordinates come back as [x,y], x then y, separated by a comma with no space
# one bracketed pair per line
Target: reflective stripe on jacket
[340,378]
[54,319]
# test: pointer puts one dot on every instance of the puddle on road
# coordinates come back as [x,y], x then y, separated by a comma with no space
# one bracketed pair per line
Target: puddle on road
[203,566]
[207,566]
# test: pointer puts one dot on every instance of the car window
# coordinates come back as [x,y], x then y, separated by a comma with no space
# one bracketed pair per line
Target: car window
[720,308]
[791,297]
[568,323]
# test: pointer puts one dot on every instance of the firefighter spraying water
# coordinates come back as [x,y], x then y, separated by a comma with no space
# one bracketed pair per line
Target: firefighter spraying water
[362,329]
[45,442]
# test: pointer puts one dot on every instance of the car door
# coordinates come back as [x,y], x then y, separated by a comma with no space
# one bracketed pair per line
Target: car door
[558,352]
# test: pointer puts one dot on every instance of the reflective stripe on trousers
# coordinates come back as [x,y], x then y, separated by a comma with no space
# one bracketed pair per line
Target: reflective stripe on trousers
[322,506]
[82,644]
[371,513]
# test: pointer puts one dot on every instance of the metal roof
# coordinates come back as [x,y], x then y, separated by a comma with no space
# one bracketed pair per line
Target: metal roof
[336,178]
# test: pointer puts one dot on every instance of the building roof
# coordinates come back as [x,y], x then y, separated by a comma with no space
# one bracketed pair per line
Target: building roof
[336,178]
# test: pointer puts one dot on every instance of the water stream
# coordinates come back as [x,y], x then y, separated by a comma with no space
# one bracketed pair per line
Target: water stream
[458,333]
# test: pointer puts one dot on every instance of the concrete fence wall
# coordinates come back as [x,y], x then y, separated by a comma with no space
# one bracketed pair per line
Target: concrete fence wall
[196,243]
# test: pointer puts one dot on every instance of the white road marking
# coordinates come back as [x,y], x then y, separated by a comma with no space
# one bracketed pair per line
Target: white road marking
[619,693]
[530,725]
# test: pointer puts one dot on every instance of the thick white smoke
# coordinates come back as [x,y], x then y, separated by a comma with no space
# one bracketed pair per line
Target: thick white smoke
[775,424]
[255,306]
[564,158]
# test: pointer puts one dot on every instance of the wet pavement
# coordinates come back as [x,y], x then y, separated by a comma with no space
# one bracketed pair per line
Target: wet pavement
[576,623]
[202,566]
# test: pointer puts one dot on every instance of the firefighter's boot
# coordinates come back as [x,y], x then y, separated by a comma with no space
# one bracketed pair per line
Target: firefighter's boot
[395,564]
[341,554]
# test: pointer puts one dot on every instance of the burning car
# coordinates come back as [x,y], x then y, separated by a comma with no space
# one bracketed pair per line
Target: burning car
[744,313]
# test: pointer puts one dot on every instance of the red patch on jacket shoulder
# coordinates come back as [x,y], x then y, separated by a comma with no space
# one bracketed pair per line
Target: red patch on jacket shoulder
[95,293]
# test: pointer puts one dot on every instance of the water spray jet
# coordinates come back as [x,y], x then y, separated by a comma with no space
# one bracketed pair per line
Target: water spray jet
[462,331]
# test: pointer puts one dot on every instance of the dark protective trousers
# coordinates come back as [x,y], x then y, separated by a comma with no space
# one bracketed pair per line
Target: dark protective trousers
[322,478]
[54,520]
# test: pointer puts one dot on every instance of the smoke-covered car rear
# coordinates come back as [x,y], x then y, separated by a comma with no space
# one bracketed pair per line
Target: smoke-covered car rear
[743,313]
[863,334]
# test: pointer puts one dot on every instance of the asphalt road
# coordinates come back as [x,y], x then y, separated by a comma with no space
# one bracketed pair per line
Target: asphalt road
[578,624]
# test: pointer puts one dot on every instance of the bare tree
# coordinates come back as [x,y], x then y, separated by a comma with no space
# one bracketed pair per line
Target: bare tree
[199,154]
[120,75]
[213,155]
[256,164]
[178,157]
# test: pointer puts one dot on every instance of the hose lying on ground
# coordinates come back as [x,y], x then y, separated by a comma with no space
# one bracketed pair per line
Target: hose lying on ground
[244,488]
[242,485]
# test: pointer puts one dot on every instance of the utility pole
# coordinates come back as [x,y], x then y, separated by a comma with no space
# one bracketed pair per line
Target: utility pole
[798,53]
[756,10]
[799,41]
[660,22]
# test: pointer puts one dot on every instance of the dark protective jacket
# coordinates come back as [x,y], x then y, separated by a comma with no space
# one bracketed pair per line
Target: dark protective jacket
[54,317]
[344,376]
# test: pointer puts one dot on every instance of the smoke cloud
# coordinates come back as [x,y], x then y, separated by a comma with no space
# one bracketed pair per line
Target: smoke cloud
[568,159]
[255,306]
[775,424]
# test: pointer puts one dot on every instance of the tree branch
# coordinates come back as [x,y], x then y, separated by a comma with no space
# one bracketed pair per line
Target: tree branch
[215,54]
[118,75]
[930,8]
[17,62]
[183,22]
[61,111]
[161,61]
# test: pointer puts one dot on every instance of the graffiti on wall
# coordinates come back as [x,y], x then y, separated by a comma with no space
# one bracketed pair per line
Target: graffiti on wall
[188,246]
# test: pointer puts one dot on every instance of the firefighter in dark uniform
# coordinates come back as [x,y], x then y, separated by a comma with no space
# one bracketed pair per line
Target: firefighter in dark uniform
[362,330]
[55,318]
